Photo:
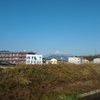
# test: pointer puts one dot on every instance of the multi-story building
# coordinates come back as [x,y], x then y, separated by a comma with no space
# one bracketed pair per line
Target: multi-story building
[14,57]
[34,59]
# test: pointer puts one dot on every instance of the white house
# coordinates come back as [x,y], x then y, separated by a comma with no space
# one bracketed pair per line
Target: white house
[75,60]
[47,61]
[34,59]
[85,61]
[96,60]
[53,61]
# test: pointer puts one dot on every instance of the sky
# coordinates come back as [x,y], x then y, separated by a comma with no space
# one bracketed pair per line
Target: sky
[46,26]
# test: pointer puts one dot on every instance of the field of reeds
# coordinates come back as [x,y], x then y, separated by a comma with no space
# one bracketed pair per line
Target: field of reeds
[48,82]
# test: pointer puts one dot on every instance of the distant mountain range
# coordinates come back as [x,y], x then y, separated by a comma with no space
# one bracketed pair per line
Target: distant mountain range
[58,55]
[4,51]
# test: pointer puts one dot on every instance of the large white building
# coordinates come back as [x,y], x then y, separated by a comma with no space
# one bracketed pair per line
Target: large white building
[75,60]
[34,59]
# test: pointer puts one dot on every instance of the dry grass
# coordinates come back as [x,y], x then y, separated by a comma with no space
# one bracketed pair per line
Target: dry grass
[47,82]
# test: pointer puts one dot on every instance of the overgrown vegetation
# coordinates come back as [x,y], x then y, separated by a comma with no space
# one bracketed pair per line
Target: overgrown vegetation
[48,82]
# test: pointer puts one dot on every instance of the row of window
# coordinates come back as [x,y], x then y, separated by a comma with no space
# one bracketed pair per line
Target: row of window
[33,62]
[12,59]
[2,55]
[32,57]
[17,61]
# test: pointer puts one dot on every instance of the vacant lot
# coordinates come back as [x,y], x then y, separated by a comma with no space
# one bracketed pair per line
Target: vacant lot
[48,82]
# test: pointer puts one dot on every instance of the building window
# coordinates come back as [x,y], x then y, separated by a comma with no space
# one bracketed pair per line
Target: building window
[28,61]
[13,54]
[10,55]
[28,57]
[39,62]
[35,58]
[34,62]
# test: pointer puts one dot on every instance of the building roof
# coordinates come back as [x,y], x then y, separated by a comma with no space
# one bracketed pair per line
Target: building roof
[25,52]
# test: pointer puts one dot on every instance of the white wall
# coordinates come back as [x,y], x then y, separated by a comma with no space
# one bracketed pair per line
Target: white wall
[75,60]
[34,59]
[85,61]
[96,60]
[53,61]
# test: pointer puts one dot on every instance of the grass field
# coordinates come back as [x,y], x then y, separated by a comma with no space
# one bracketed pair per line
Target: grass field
[48,82]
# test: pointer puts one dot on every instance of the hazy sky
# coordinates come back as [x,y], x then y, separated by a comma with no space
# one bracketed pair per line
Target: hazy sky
[44,26]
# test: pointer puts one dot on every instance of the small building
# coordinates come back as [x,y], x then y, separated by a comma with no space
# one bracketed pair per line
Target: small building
[34,59]
[85,61]
[53,61]
[96,60]
[47,61]
[75,60]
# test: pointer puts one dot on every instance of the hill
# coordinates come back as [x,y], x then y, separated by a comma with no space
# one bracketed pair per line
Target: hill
[58,55]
